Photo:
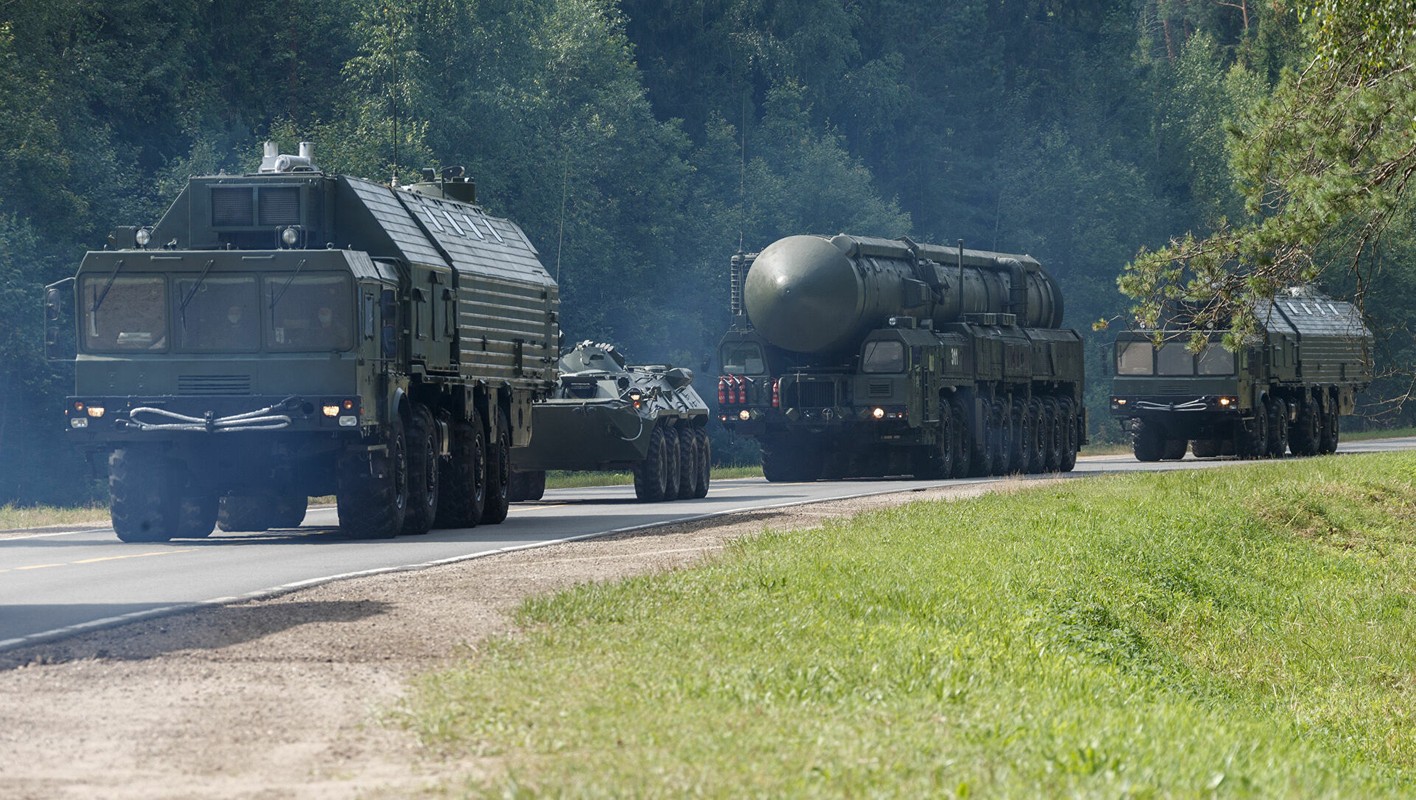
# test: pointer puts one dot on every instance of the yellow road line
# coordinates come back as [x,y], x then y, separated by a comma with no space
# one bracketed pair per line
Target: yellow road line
[96,560]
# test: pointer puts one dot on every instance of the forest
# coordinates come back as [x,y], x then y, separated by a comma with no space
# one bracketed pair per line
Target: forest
[641,143]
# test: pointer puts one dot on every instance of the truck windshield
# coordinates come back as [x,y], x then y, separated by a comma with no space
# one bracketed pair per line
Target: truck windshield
[1135,358]
[1215,360]
[1174,359]
[883,357]
[124,313]
[310,312]
[220,313]
[743,359]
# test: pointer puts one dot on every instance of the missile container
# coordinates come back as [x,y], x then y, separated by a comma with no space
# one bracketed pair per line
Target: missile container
[855,356]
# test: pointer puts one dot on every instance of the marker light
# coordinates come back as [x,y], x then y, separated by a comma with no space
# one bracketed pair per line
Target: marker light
[878,413]
[1226,402]
[78,422]
[348,421]
[290,236]
[744,415]
[143,236]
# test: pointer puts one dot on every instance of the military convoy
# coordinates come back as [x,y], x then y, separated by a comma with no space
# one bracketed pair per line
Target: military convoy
[1282,392]
[855,356]
[291,333]
[606,415]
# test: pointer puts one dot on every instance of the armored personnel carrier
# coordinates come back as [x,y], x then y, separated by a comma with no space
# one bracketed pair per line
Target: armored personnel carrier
[605,415]
[1282,392]
[291,333]
[855,356]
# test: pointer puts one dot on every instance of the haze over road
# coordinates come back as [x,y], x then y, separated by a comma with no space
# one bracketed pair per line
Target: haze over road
[55,583]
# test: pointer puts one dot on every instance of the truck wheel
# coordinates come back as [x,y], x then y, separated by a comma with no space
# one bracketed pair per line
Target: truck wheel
[1018,445]
[1037,437]
[423,470]
[705,462]
[1174,449]
[241,512]
[649,478]
[462,484]
[1254,440]
[1205,448]
[1002,440]
[498,473]
[981,451]
[1305,436]
[288,510]
[139,482]
[1327,438]
[373,492]
[1278,428]
[527,485]
[196,516]
[960,440]
[936,461]
[688,463]
[1053,438]
[1147,443]
[1068,414]
[672,463]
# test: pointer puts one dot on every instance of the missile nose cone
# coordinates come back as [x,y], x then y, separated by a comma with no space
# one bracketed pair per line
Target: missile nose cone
[802,294]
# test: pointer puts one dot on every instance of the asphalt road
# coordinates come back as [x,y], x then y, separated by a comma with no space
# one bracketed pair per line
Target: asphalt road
[56,583]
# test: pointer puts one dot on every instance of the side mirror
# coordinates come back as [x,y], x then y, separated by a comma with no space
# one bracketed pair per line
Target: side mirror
[59,329]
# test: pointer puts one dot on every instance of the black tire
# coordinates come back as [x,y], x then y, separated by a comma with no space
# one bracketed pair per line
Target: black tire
[1071,438]
[688,463]
[673,465]
[527,486]
[936,461]
[1306,436]
[498,473]
[1205,448]
[245,512]
[1278,428]
[373,493]
[1147,443]
[423,472]
[288,511]
[1327,441]
[705,462]
[462,486]
[1037,437]
[649,475]
[196,515]
[1054,438]
[1253,442]
[960,440]
[139,482]
[1002,440]
[982,445]
[1174,449]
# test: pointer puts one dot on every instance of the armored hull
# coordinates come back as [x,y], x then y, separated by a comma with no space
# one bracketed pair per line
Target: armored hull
[606,415]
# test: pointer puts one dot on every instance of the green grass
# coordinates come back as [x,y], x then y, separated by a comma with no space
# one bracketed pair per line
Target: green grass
[14,517]
[1246,632]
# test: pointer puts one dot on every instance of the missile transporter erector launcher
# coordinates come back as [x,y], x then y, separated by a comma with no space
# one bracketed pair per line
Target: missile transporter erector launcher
[1282,392]
[290,333]
[607,415]
[852,356]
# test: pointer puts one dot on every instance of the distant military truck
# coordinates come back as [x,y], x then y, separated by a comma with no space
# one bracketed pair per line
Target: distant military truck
[605,415]
[1282,392]
[290,333]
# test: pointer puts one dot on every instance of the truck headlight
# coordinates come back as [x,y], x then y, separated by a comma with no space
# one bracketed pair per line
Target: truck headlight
[96,411]
[143,236]
[877,413]
[1226,402]
[78,422]
[290,236]
[744,415]
[348,421]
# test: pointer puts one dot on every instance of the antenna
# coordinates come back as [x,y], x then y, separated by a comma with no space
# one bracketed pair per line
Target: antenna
[565,183]
[393,94]
[742,176]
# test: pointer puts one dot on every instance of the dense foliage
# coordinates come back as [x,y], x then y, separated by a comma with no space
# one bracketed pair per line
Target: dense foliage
[642,142]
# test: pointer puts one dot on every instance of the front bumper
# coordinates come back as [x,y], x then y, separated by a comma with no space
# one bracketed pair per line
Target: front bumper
[92,419]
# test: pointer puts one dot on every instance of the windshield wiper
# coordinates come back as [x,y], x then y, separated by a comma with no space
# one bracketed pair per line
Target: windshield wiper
[98,301]
[182,310]
[276,300]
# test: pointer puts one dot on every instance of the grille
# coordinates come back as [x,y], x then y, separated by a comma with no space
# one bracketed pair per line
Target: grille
[231,207]
[280,206]
[810,394]
[878,390]
[213,384]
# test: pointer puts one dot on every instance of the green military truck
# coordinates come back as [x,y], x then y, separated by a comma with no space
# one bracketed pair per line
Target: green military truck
[291,333]
[1282,392]
[854,356]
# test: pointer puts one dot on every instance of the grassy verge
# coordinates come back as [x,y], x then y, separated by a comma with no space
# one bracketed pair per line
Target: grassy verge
[576,480]
[16,517]
[1231,632]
